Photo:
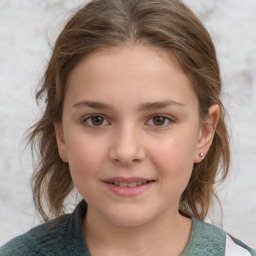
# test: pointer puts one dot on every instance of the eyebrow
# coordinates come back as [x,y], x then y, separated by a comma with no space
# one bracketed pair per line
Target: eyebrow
[143,107]
[92,104]
[159,105]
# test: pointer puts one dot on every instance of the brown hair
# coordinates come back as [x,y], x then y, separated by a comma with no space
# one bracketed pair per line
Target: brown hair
[168,24]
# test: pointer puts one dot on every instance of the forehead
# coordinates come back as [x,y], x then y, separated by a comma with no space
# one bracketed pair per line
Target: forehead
[140,55]
[129,71]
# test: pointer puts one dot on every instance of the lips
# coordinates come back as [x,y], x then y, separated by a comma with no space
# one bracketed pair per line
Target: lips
[128,186]
[128,182]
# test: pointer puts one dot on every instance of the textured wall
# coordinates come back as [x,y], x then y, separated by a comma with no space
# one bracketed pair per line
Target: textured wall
[27,26]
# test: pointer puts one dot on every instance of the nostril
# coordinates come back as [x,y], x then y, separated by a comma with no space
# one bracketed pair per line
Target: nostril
[127,152]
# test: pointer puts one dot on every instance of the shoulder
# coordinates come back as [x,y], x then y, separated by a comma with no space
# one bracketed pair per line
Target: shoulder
[207,239]
[45,237]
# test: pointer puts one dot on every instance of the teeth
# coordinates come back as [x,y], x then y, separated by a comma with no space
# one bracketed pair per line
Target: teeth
[130,185]
[123,184]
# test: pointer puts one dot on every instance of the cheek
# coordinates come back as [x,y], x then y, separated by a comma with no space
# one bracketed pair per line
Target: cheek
[174,159]
[84,157]
[84,163]
[174,171]
[175,151]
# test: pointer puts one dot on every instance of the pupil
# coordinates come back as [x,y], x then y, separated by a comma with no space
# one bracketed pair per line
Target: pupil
[159,120]
[97,120]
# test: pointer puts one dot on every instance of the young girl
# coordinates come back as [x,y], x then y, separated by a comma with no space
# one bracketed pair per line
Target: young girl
[134,121]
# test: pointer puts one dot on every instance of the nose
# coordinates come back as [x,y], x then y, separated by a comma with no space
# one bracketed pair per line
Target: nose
[126,147]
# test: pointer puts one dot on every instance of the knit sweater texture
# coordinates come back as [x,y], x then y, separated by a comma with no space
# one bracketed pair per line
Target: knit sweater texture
[63,236]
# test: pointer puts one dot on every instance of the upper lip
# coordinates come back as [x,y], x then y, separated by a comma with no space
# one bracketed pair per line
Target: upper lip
[127,180]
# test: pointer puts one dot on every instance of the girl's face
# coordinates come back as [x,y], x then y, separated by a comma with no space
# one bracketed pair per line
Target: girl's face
[131,133]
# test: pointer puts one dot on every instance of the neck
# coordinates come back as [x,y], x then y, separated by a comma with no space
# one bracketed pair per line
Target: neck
[166,235]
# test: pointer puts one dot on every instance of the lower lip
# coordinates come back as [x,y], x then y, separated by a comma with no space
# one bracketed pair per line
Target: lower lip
[127,191]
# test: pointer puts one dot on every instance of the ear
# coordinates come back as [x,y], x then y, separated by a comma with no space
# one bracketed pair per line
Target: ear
[206,133]
[61,142]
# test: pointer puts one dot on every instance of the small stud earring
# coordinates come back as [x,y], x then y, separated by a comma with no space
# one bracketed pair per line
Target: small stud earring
[201,154]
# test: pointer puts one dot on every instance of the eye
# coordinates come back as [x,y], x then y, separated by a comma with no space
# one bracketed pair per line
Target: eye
[160,120]
[95,120]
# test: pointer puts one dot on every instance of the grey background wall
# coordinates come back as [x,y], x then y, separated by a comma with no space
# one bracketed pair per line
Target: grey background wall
[26,28]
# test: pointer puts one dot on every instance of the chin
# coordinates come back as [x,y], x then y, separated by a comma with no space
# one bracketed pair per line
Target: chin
[129,219]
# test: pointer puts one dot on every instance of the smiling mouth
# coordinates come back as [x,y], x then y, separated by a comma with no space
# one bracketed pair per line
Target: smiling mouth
[128,187]
[130,184]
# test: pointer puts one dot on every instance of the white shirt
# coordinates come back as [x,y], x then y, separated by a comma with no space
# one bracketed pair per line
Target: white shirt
[232,249]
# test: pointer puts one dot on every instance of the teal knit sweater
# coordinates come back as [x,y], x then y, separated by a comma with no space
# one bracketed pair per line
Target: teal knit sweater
[63,236]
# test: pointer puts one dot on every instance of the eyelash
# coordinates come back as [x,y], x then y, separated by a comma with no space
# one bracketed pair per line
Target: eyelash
[86,120]
[166,118]
[90,118]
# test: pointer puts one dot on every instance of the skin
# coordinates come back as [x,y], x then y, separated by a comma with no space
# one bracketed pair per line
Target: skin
[128,140]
